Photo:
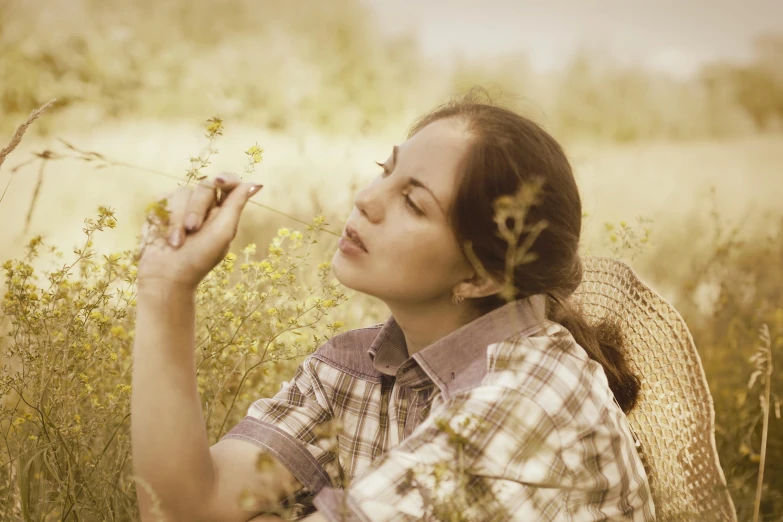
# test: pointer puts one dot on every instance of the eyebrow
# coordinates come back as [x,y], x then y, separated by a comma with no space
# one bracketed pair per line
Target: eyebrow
[414,181]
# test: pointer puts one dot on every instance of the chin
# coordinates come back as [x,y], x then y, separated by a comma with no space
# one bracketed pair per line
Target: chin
[350,275]
[343,271]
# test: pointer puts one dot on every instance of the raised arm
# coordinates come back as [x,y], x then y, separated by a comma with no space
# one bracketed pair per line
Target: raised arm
[171,453]
[179,477]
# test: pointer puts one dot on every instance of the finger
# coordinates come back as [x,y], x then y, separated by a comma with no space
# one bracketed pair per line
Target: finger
[202,200]
[178,205]
[227,219]
[213,213]
[227,181]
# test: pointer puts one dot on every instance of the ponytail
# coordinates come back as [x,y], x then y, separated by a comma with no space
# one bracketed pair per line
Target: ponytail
[604,343]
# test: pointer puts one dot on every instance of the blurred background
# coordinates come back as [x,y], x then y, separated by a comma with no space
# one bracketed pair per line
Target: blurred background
[671,112]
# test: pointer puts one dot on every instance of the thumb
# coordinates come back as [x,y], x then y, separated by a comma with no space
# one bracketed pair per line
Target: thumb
[231,208]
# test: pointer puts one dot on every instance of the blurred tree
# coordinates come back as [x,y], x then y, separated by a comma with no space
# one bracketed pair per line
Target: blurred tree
[757,87]
[259,61]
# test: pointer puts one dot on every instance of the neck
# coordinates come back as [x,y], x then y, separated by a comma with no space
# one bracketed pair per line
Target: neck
[425,323]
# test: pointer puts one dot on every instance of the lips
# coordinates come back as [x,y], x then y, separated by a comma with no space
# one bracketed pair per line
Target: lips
[352,234]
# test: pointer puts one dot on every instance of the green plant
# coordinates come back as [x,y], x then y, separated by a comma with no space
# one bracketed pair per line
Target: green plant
[730,287]
[66,358]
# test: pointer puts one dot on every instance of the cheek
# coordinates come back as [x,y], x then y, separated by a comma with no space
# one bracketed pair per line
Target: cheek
[427,257]
[410,262]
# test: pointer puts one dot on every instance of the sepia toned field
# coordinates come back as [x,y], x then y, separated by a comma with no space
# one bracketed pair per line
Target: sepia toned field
[681,178]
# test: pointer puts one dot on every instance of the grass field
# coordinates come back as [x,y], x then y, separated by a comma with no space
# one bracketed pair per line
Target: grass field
[693,194]
[665,181]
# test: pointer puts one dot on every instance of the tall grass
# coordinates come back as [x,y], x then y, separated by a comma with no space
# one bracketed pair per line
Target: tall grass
[731,286]
[332,74]
[729,292]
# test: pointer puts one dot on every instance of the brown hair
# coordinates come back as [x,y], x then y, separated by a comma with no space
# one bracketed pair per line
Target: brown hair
[507,150]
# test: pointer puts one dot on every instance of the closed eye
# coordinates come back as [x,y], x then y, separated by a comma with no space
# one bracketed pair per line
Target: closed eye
[408,200]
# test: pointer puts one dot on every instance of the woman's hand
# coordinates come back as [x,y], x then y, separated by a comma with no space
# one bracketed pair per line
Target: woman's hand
[198,231]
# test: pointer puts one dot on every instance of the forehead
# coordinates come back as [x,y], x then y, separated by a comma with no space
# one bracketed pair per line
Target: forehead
[433,155]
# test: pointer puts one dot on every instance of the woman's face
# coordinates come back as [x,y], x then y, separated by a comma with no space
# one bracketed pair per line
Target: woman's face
[411,253]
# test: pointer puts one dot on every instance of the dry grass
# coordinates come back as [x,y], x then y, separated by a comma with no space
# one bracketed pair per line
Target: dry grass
[126,80]
[709,253]
[17,137]
[664,181]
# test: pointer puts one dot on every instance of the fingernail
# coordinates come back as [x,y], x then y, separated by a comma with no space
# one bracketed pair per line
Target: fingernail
[253,189]
[175,239]
[220,180]
[191,222]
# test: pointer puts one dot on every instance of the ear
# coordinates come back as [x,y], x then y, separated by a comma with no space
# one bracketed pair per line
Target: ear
[478,286]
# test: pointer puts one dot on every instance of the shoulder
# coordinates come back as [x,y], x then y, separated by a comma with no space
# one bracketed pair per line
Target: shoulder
[347,352]
[552,370]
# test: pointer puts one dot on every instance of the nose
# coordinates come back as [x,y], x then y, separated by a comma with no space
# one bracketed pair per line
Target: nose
[369,201]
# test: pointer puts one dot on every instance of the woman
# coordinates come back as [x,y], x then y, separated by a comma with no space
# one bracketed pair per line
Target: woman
[460,402]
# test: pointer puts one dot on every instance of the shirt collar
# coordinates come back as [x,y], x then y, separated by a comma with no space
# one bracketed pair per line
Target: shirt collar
[458,361]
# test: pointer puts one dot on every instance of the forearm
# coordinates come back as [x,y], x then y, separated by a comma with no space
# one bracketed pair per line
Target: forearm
[168,434]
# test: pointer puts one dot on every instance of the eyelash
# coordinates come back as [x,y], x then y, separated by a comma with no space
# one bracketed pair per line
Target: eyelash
[408,200]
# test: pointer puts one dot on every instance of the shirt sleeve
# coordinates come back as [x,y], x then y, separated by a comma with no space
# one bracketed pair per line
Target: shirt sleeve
[482,454]
[290,427]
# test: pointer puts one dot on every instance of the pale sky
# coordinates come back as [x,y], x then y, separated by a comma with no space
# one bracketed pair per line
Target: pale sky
[671,35]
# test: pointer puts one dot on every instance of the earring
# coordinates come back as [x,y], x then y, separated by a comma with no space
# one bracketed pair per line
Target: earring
[457,299]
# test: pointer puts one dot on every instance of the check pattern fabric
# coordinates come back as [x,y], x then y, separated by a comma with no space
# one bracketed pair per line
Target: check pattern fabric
[504,419]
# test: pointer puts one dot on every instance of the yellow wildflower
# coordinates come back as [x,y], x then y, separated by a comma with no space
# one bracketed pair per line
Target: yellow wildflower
[214,127]
[255,154]
[117,331]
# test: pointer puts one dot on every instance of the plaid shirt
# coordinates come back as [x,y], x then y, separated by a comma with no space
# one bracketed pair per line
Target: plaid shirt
[503,419]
